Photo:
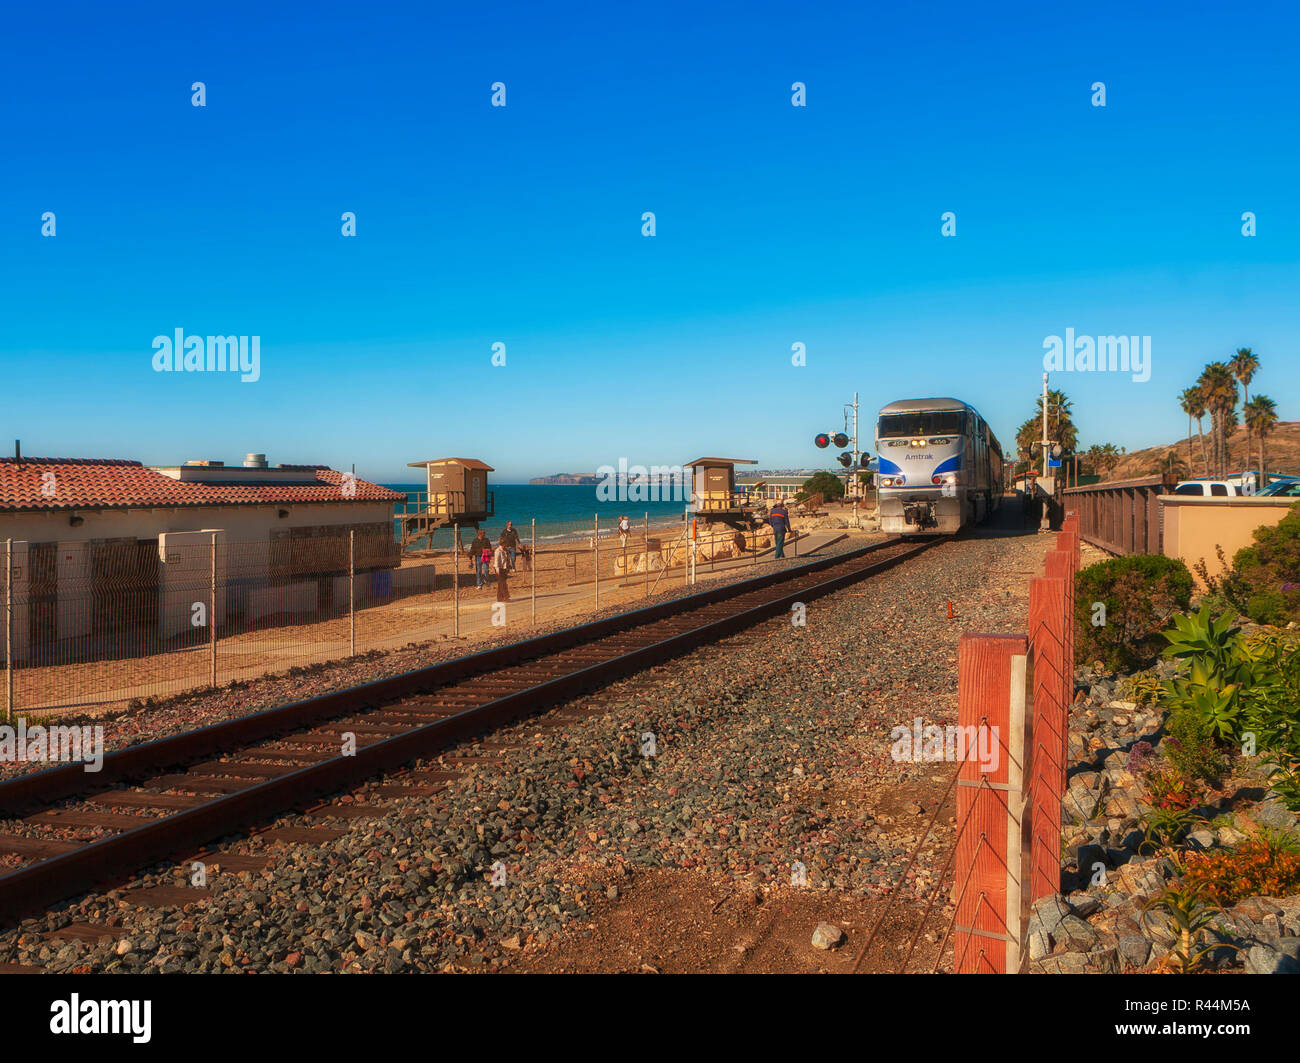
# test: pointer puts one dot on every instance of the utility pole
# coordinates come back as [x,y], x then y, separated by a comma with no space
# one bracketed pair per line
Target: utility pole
[1047,517]
[857,454]
[1044,426]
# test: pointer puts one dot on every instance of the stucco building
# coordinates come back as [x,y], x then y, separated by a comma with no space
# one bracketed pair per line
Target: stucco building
[101,548]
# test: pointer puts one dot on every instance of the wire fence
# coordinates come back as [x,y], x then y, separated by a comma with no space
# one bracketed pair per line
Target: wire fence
[1005,851]
[106,623]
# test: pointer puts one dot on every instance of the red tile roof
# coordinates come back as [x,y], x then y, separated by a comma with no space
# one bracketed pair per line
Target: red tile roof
[103,483]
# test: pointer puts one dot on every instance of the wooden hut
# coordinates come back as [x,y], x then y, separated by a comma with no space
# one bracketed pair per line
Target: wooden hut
[456,493]
[714,494]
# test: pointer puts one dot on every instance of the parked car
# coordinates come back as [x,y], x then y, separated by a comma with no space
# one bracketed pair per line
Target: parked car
[1207,488]
[1281,489]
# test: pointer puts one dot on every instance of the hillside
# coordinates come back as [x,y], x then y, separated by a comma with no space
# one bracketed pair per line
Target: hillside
[1281,450]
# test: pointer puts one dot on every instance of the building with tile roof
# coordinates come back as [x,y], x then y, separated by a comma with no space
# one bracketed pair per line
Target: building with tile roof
[33,485]
[102,545]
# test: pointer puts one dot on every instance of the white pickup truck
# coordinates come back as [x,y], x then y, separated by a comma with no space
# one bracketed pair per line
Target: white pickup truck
[1216,488]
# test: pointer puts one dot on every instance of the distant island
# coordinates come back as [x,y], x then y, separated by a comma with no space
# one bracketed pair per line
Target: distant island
[582,479]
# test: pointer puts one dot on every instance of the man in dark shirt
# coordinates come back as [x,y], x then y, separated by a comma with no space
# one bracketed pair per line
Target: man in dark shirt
[779,519]
[510,540]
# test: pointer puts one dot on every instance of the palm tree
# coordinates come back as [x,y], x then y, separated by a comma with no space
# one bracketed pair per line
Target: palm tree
[1190,401]
[1060,428]
[1261,415]
[1219,390]
[1110,455]
[1172,463]
[1244,365]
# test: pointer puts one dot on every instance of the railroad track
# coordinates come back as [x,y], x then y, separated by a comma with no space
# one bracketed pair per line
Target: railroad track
[170,797]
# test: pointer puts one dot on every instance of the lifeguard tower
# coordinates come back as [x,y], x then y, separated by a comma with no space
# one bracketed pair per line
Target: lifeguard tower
[456,493]
[714,494]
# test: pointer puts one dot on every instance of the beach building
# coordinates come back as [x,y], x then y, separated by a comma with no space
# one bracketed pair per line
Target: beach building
[714,485]
[108,545]
[772,488]
[457,494]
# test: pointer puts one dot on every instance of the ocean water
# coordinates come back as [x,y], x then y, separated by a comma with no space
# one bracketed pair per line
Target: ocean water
[562,511]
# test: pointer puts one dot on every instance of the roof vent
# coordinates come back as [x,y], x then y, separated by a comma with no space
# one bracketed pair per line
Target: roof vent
[255,461]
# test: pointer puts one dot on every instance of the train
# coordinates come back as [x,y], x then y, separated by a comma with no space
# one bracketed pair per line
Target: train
[940,467]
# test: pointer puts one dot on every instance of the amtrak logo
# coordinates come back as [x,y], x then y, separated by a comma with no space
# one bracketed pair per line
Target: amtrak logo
[918,457]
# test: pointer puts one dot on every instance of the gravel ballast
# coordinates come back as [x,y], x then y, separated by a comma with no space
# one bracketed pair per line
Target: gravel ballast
[771,749]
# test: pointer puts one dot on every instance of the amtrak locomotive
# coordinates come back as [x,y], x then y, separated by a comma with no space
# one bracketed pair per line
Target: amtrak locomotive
[940,467]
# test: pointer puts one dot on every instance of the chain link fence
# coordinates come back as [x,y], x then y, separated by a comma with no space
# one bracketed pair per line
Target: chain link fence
[106,623]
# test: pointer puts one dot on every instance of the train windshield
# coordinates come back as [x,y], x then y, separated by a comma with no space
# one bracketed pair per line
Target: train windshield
[921,423]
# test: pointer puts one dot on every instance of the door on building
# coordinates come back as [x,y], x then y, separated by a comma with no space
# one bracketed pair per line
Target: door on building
[124,577]
[43,635]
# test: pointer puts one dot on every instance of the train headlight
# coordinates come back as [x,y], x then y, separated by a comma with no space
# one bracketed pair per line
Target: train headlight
[951,478]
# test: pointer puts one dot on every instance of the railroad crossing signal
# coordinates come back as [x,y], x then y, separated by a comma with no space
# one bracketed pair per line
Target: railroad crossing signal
[849,459]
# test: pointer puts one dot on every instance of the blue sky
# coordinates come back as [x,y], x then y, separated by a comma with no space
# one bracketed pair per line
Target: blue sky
[522,224]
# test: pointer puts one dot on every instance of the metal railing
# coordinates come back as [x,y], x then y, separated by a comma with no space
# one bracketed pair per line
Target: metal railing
[1123,516]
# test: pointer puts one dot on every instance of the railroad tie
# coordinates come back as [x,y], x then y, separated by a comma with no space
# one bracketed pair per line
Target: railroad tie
[37,847]
[302,835]
[76,818]
[91,932]
[166,896]
[349,811]
[233,862]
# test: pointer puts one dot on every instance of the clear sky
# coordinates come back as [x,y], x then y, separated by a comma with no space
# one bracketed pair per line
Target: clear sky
[522,224]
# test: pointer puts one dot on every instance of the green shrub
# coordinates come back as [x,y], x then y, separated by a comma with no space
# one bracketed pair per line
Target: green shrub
[1190,747]
[1267,575]
[1140,593]
[1269,607]
[827,484]
[1237,691]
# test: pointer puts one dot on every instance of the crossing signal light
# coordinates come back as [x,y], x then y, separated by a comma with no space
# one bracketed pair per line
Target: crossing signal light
[822,440]
[846,459]
[864,461]
[841,440]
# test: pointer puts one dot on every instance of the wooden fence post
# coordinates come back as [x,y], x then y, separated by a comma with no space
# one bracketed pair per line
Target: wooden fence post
[1050,722]
[990,802]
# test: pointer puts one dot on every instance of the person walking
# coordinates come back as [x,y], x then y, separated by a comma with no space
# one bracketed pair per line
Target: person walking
[480,552]
[779,519]
[501,561]
[510,540]
[624,528]
[1030,503]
